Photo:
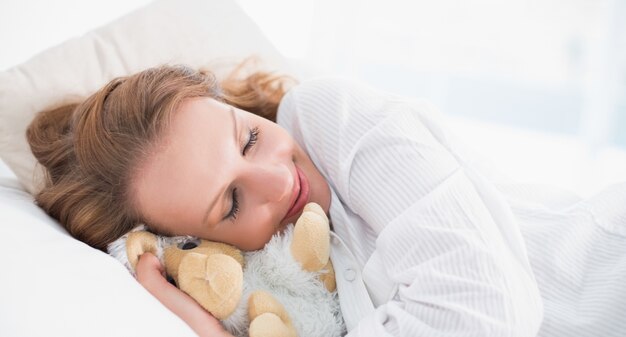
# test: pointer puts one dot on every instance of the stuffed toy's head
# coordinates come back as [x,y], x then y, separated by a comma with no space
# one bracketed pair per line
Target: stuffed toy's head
[252,292]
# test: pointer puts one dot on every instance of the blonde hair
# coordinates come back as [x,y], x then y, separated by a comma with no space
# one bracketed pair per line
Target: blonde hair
[90,149]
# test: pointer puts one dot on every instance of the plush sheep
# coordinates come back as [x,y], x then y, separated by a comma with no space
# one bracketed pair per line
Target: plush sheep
[287,289]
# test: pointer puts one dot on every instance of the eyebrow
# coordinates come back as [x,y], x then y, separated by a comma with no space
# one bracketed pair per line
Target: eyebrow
[212,204]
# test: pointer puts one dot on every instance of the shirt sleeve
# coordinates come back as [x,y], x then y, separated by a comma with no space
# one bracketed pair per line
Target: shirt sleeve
[447,240]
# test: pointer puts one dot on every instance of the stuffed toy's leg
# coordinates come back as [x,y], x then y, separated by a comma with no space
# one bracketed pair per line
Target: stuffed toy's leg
[311,244]
[268,318]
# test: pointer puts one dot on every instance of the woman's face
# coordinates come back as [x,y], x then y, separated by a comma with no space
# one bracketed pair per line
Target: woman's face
[226,175]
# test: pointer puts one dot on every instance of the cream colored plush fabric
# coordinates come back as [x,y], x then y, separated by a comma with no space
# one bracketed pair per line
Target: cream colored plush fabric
[214,33]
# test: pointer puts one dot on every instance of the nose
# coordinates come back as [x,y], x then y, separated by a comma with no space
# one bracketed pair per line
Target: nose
[269,182]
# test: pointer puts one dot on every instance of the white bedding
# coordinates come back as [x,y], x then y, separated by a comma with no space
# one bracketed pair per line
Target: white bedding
[51,284]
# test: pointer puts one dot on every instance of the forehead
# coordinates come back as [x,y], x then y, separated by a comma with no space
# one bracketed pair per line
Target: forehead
[191,164]
[201,115]
[200,127]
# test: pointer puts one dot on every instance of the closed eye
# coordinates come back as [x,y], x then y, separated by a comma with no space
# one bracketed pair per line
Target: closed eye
[252,139]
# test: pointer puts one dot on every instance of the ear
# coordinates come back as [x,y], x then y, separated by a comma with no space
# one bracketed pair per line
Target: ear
[138,243]
[311,238]
[130,246]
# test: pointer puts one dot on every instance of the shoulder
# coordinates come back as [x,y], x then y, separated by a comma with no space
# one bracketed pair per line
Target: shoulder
[336,97]
[328,116]
[334,102]
[328,90]
[342,112]
[332,109]
[324,86]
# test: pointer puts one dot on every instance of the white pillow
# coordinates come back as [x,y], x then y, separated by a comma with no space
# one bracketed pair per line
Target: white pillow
[210,33]
[52,284]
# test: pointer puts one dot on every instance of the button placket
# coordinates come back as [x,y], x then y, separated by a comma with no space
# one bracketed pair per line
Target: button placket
[349,274]
[354,299]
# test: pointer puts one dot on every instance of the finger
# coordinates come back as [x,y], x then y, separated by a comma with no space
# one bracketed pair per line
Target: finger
[186,308]
[149,267]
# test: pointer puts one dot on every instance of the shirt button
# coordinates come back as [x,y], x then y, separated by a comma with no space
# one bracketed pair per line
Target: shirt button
[349,275]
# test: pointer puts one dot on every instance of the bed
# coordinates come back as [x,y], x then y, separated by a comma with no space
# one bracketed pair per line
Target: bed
[52,284]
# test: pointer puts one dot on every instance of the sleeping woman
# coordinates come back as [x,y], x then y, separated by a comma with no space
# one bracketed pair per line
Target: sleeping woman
[424,243]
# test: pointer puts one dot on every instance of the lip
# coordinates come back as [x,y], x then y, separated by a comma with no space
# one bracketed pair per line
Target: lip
[300,194]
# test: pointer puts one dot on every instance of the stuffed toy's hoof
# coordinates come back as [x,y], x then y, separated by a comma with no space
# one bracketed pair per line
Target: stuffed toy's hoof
[270,325]
[268,318]
[328,277]
[214,281]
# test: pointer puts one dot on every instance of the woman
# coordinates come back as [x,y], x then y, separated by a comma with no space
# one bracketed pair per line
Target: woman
[422,244]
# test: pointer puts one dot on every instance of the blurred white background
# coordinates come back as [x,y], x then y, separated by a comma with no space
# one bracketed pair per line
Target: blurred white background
[537,86]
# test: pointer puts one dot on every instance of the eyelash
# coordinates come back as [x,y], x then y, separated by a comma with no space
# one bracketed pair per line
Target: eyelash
[235,209]
[252,139]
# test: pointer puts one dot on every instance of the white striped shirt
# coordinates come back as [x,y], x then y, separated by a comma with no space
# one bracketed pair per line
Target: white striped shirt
[577,249]
[424,245]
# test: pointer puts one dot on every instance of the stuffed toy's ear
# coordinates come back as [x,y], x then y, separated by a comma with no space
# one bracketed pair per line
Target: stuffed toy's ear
[128,248]
[311,238]
[311,244]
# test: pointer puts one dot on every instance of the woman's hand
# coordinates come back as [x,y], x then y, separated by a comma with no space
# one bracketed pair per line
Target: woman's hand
[151,275]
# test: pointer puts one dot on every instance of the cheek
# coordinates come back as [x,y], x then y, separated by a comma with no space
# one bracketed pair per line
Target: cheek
[264,230]
[253,235]
[261,233]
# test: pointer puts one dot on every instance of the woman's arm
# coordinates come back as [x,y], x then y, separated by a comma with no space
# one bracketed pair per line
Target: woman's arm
[150,274]
[446,238]
[446,258]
